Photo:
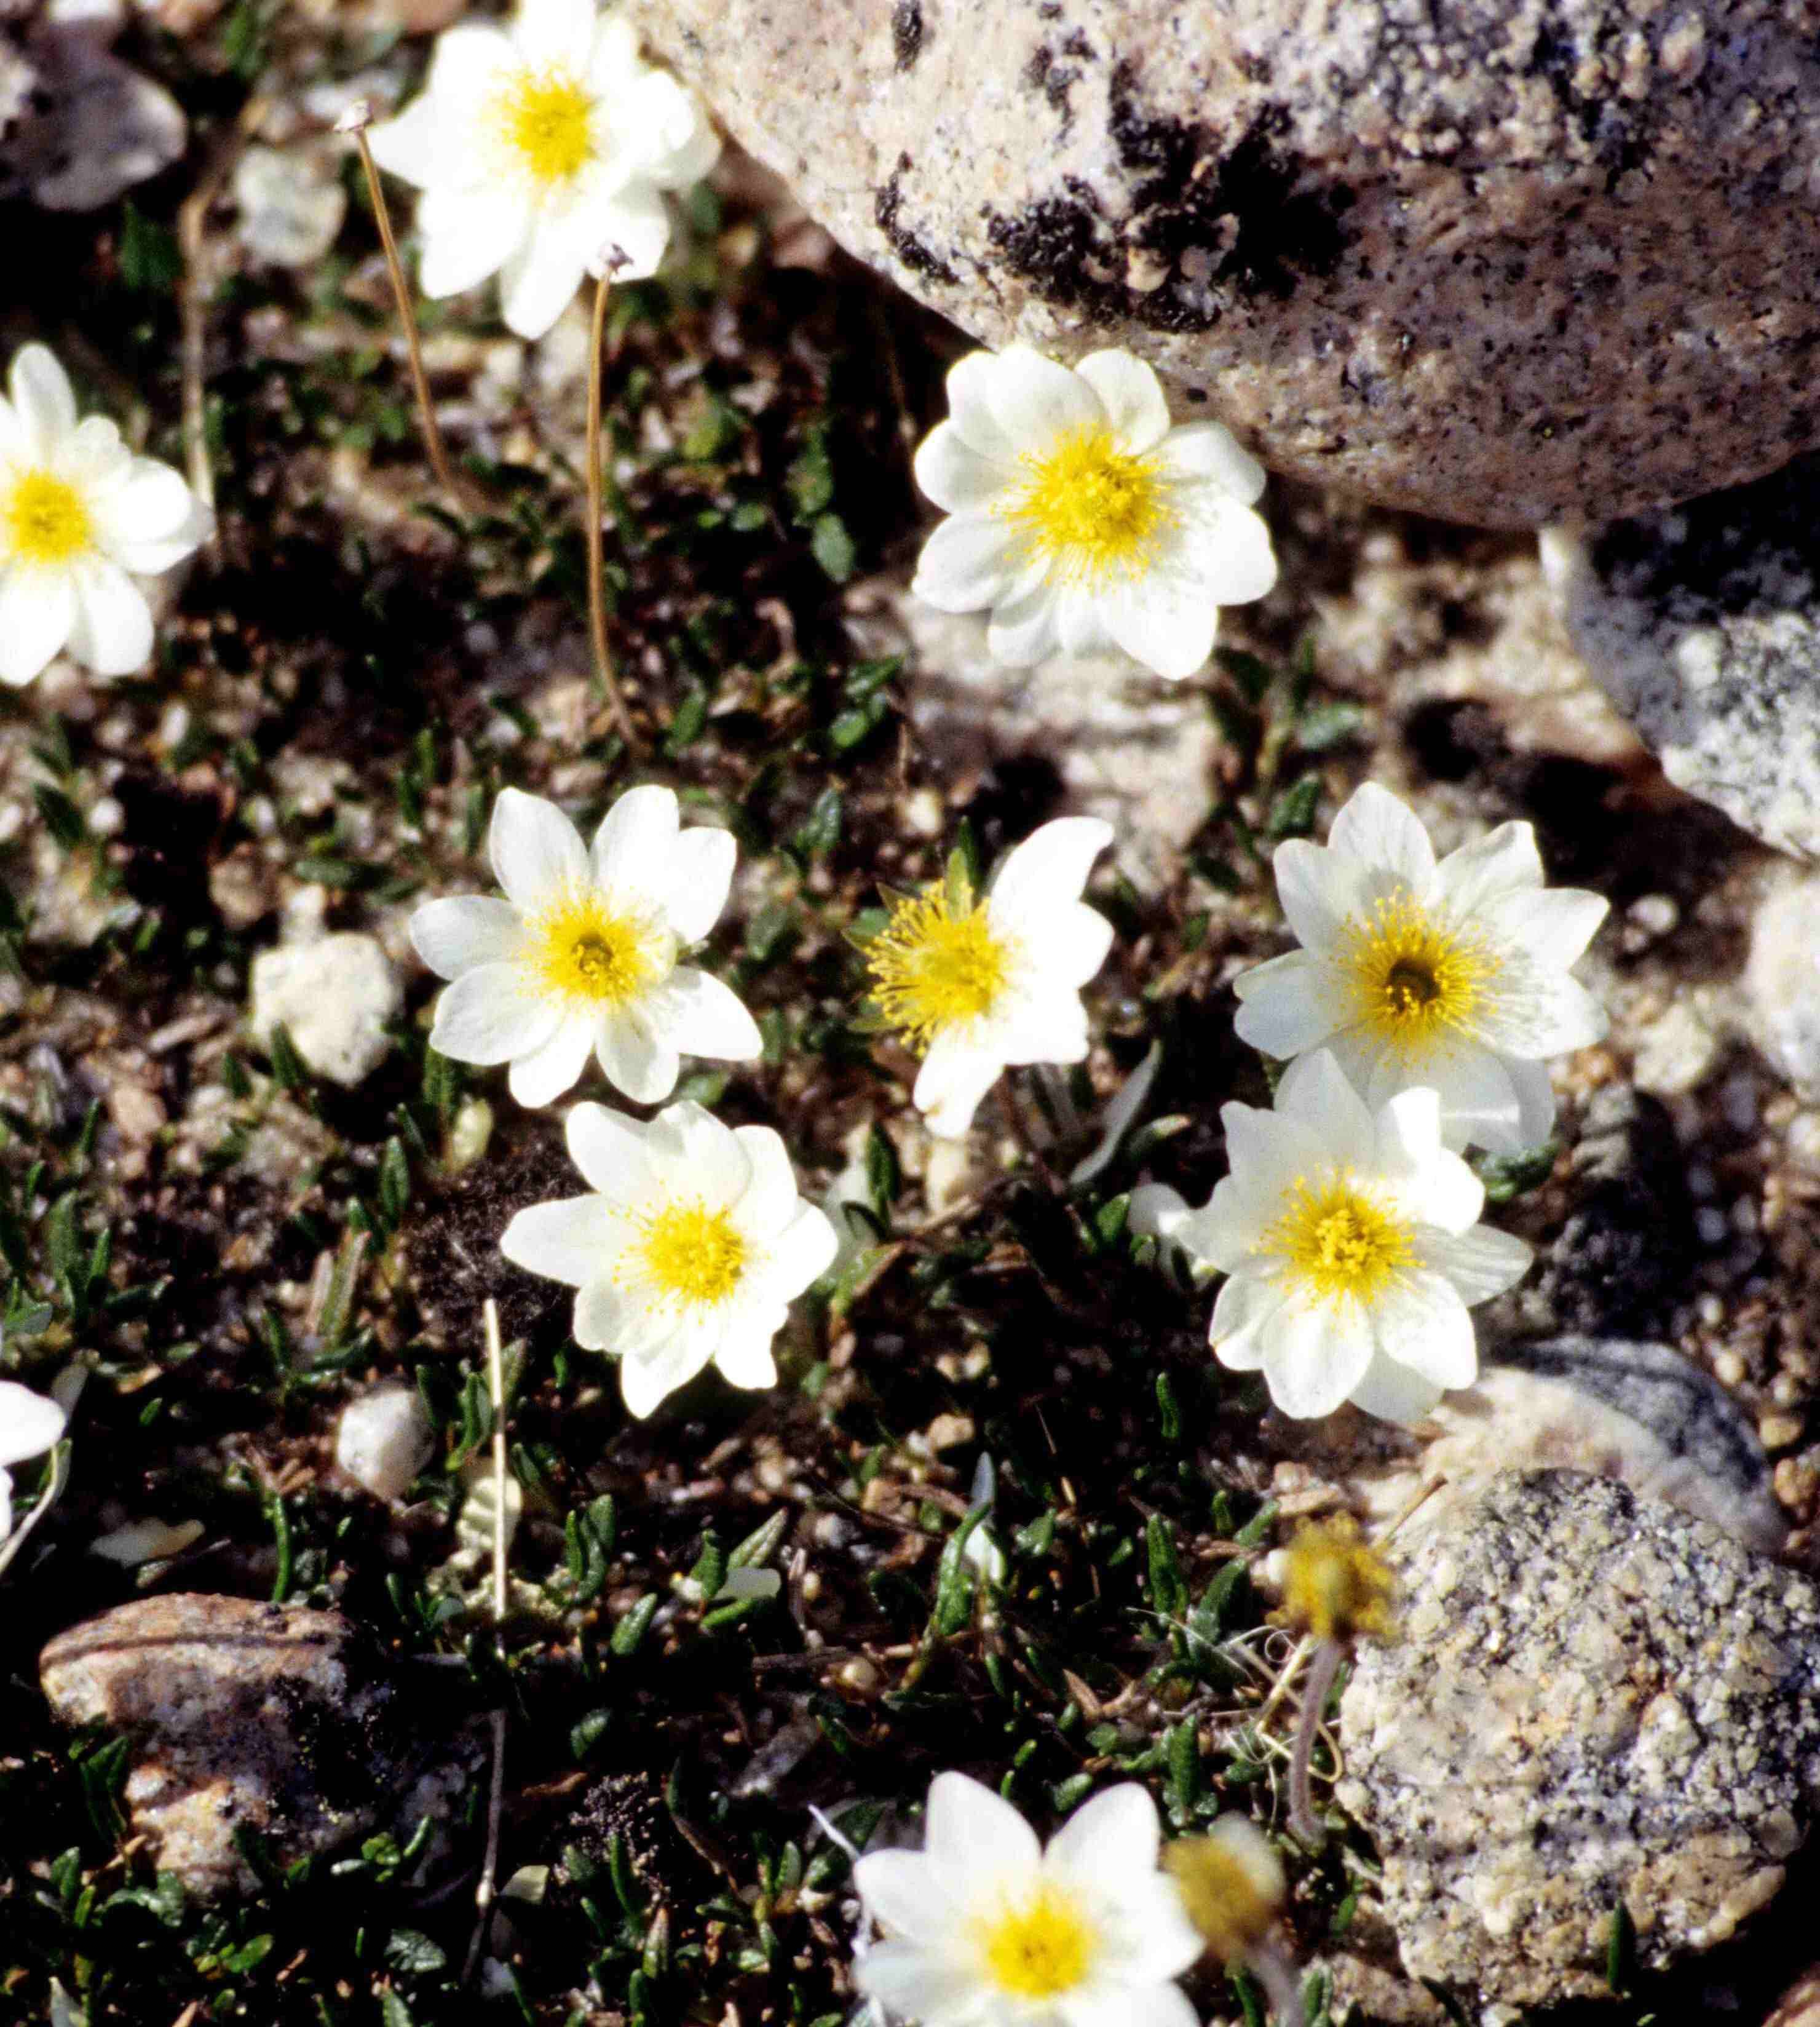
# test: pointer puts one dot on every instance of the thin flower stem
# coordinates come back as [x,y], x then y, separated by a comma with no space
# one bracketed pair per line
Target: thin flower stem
[1274,1971]
[354,121]
[483,1891]
[1315,1692]
[596,516]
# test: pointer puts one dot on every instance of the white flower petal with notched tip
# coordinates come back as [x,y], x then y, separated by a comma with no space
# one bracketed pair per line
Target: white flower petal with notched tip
[580,957]
[985,1927]
[81,520]
[538,147]
[1451,975]
[1082,522]
[29,1426]
[1352,1247]
[688,1252]
[976,983]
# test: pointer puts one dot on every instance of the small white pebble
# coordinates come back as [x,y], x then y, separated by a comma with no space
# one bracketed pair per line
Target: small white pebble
[1711,1223]
[105,817]
[384,1440]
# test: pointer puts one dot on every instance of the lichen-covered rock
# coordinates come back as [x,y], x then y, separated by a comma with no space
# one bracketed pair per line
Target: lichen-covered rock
[1594,1698]
[276,1719]
[1702,626]
[1498,263]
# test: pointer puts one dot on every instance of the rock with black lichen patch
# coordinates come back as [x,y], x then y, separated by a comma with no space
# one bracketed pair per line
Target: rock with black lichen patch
[277,1719]
[1594,1698]
[1702,626]
[1499,263]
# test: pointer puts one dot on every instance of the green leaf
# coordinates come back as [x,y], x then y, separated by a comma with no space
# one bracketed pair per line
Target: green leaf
[685,725]
[833,548]
[1507,1176]
[629,1634]
[1323,726]
[62,818]
[820,831]
[411,1951]
[1169,1588]
[1252,677]
[394,1181]
[761,1544]
[150,261]
[883,1174]
[393,2010]
[811,477]
[287,1066]
[1292,814]
[710,1572]
[1620,1949]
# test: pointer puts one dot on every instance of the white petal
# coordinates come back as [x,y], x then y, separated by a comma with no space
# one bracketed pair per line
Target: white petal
[633,847]
[634,1058]
[967,562]
[1476,1095]
[770,1196]
[744,1357]
[610,1151]
[1223,551]
[1155,1211]
[971,382]
[453,935]
[658,127]
[1044,1022]
[6,1503]
[1431,1184]
[701,1157]
[1395,1392]
[1384,834]
[927,1986]
[1558,1014]
[555,31]
[1114,1835]
[904,1893]
[1422,1322]
[541,1075]
[1036,400]
[646,1382]
[488,1016]
[1535,1117]
[1166,622]
[613,63]
[15,448]
[540,280]
[1504,862]
[1158,1943]
[1317,1094]
[1132,395]
[801,1253]
[111,633]
[42,398]
[37,611]
[1047,872]
[1320,891]
[1314,1356]
[701,874]
[956,476]
[1480,1263]
[1244,1309]
[573,1241]
[956,1074]
[633,221]
[606,1319]
[1289,1004]
[413,147]
[1210,450]
[469,233]
[1154,2005]
[29,1423]
[1080,621]
[1552,926]
[150,521]
[974,1838]
[538,853]
[1023,631]
[464,73]
[698,1015]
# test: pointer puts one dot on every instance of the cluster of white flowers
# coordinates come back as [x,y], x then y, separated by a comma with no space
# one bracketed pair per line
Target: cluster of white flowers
[1414,1018]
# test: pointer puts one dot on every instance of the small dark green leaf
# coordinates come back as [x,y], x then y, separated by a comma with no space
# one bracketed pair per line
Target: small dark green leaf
[150,261]
[833,548]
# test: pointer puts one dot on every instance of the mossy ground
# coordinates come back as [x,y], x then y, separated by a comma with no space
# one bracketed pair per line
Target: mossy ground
[342,687]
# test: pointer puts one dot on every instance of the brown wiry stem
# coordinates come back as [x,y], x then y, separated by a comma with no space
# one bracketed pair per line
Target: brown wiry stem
[603,667]
[354,121]
[1315,1692]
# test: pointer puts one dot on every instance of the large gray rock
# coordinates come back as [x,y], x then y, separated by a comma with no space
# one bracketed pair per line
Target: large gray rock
[1702,626]
[1594,1698]
[1501,263]
[274,1717]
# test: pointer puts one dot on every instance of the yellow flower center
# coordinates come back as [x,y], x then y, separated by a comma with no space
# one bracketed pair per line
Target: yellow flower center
[46,520]
[1091,511]
[938,963]
[1336,1241]
[1414,979]
[583,951]
[692,1256]
[1039,1949]
[546,118]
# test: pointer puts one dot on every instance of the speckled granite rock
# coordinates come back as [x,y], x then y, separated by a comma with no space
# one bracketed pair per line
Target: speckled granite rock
[1782,981]
[1594,1697]
[277,1717]
[1702,626]
[1501,263]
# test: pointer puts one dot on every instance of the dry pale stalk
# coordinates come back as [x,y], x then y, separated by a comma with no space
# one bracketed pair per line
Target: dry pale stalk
[483,1891]
[611,260]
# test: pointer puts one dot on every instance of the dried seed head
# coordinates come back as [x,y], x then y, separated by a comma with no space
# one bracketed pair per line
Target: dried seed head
[1334,1586]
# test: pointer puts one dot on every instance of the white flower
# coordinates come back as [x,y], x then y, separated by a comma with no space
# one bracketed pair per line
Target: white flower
[29,1426]
[80,518]
[980,983]
[986,1928]
[1082,518]
[688,1253]
[581,954]
[537,145]
[1352,1247]
[1453,976]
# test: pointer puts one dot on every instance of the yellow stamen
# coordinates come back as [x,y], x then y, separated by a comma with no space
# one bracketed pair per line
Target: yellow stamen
[583,951]
[546,118]
[1333,1586]
[1038,1950]
[1414,979]
[692,1256]
[45,519]
[938,963]
[1091,511]
[1337,1243]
